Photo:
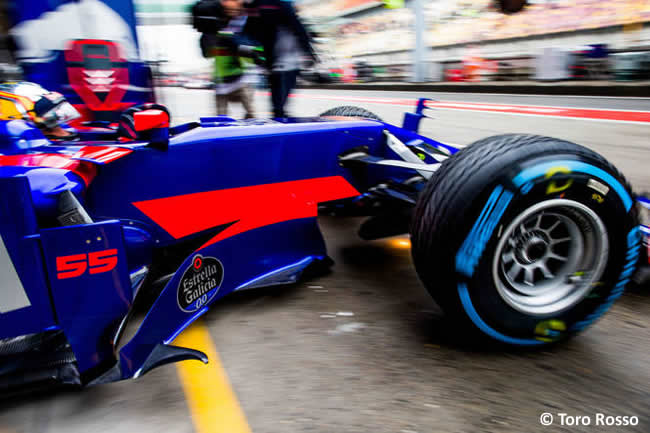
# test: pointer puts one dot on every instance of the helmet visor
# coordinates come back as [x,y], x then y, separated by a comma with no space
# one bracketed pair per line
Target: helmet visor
[52,110]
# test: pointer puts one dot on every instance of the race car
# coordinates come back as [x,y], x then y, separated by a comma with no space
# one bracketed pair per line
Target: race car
[522,240]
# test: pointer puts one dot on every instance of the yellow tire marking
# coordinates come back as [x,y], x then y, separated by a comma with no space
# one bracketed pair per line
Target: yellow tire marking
[212,402]
[552,187]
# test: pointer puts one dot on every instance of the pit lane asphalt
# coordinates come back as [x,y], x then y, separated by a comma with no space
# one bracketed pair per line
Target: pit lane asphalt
[298,365]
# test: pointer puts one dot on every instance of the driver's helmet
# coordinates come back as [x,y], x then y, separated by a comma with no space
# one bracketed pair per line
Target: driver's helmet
[29,101]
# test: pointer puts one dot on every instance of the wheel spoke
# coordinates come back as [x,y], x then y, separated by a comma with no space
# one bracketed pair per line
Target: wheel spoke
[514,271]
[557,257]
[553,227]
[529,277]
[548,257]
[508,257]
[547,274]
[522,229]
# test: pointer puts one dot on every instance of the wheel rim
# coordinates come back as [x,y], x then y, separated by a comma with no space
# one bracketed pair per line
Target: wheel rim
[550,256]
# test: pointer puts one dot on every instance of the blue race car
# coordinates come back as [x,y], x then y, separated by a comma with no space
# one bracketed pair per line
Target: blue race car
[522,239]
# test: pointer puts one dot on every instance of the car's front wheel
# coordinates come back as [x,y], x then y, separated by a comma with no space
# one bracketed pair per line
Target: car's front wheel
[526,239]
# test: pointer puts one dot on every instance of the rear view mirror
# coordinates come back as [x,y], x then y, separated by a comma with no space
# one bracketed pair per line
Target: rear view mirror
[150,119]
[153,126]
[147,122]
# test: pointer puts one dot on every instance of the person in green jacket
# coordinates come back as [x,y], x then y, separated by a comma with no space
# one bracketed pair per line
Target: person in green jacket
[229,66]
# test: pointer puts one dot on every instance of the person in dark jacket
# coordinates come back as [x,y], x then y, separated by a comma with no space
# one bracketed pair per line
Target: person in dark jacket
[273,24]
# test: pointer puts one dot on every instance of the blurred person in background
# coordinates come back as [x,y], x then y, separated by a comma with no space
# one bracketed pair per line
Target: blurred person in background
[229,65]
[275,25]
[286,42]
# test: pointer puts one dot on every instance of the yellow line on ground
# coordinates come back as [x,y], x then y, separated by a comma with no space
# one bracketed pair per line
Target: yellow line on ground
[212,402]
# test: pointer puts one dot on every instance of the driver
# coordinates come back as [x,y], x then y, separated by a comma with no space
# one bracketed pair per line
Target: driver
[49,111]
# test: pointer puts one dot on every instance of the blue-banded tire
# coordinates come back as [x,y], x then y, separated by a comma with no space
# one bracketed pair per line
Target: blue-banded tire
[525,239]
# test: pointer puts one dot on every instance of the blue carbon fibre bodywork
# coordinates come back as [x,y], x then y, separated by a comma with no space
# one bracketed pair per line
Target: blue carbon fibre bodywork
[17,227]
[87,306]
[46,184]
[17,136]
[81,279]
[246,259]
[218,156]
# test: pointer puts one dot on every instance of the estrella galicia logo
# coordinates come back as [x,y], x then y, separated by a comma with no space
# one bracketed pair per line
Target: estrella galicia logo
[200,283]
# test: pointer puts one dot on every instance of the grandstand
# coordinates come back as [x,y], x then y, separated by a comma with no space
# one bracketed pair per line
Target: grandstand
[362,29]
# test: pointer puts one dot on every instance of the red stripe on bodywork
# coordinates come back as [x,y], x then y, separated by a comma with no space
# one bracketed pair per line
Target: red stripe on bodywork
[251,206]
[84,168]
[104,154]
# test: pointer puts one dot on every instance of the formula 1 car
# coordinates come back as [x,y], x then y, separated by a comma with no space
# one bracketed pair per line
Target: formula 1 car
[522,239]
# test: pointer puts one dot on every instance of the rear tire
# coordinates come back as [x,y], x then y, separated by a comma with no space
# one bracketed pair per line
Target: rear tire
[525,239]
[351,111]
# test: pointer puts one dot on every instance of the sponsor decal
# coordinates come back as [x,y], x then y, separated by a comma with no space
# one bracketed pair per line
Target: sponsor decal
[597,197]
[553,188]
[574,166]
[472,248]
[76,265]
[200,283]
[550,330]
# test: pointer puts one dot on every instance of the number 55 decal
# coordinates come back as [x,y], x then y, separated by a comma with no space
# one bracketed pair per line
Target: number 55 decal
[76,265]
